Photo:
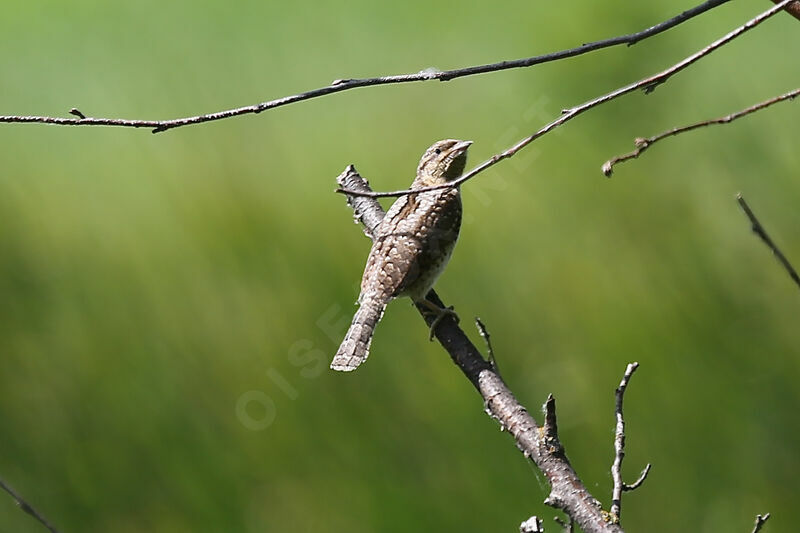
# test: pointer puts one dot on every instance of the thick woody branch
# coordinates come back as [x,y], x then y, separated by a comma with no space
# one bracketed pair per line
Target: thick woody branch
[759,230]
[647,84]
[26,507]
[642,144]
[341,85]
[540,444]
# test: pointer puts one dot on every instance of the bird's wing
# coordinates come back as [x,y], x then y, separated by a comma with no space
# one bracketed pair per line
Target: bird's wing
[392,262]
[413,229]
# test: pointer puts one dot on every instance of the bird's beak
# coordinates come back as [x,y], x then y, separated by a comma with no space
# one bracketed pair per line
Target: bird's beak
[461,146]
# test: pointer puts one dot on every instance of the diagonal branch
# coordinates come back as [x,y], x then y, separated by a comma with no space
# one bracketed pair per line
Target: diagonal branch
[28,508]
[647,84]
[336,86]
[643,144]
[539,443]
[759,230]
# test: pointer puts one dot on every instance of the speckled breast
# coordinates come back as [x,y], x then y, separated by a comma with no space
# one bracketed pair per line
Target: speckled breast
[437,234]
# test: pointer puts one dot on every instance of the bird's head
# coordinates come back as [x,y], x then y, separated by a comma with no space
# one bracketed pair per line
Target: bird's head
[443,162]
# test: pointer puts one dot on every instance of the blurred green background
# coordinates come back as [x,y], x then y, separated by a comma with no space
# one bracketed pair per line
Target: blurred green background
[169,303]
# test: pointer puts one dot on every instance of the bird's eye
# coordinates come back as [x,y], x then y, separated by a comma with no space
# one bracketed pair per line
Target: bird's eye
[438,151]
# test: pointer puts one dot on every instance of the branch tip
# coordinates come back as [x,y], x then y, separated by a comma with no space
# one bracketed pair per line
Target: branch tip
[531,525]
[760,521]
[484,333]
[759,230]
[638,483]
[550,427]
[649,83]
[642,144]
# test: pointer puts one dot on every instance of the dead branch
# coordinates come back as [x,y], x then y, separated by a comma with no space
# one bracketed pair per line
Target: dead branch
[539,443]
[341,85]
[648,84]
[531,525]
[26,507]
[642,144]
[760,521]
[759,230]
[619,448]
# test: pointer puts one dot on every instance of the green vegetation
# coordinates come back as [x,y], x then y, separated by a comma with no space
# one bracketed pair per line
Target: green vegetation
[148,281]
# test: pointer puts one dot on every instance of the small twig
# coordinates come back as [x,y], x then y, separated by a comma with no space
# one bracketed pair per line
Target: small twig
[346,84]
[566,525]
[647,84]
[28,508]
[619,448]
[642,144]
[550,426]
[760,520]
[759,230]
[531,525]
[638,483]
[484,333]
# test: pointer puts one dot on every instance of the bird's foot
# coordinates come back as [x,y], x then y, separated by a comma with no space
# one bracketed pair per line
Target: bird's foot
[439,313]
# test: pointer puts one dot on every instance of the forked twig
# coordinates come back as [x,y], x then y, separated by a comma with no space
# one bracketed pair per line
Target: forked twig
[619,448]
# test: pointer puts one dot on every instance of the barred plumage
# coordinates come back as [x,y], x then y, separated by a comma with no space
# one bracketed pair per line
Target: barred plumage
[410,249]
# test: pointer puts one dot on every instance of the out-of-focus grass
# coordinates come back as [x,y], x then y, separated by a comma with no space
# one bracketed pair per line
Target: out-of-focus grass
[148,282]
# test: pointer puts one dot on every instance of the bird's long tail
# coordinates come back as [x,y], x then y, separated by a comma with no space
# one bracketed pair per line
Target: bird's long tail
[355,346]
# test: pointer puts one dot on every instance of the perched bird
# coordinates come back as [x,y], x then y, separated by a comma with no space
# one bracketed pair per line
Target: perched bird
[410,249]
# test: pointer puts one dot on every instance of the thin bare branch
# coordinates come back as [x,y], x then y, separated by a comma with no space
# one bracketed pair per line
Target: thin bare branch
[647,84]
[760,520]
[540,444]
[337,86]
[619,448]
[638,483]
[28,508]
[759,230]
[642,144]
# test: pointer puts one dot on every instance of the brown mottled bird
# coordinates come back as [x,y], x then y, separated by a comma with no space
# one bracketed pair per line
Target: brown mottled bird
[411,247]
